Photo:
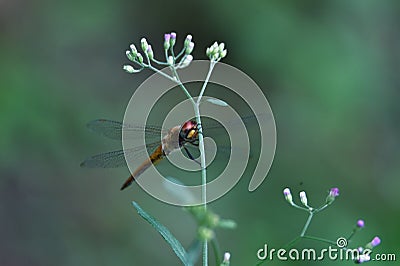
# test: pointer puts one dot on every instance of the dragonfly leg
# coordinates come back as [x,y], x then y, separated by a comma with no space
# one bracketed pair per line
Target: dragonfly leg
[190,155]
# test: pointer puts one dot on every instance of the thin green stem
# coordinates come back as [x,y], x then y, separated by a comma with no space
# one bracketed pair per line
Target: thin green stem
[320,239]
[171,48]
[352,234]
[188,95]
[300,208]
[159,62]
[322,208]
[196,107]
[217,251]
[166,54]
[181,52]
[161,73]
[303,232]
[212,64]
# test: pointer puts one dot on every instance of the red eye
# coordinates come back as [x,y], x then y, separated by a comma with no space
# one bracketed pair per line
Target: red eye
[188,125]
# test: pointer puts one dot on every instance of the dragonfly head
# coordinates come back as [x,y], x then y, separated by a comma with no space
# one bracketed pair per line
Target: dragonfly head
[189,131]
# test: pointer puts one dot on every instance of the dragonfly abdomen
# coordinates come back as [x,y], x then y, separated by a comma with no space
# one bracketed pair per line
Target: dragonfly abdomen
[154,158]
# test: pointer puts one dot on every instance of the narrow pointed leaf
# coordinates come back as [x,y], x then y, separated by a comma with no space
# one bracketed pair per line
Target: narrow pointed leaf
[165,233]
[216,101]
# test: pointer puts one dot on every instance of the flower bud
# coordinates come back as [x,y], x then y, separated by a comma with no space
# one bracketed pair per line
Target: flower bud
[150,52]
[140,58]
[130,69]
[133,49]
[360,223]
[333,193]
[167,38]
[288,195]
[227,257]
[214,46]
[208,52]
[216,51]
[303,198]
[223,53]
[130,55]
[170,60]
[363,258]
[221,46]
[189,48]
[188,40]
[144,45]
[375,242]
[173,39]
[185,61]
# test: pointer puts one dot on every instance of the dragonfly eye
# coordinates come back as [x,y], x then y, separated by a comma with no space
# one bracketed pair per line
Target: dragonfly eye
[189,130]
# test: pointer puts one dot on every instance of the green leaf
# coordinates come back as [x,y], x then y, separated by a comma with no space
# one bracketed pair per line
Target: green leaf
[218,102]
[227,224]
[165,233]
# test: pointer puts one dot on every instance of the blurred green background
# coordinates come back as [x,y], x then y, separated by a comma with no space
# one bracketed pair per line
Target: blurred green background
[330,72]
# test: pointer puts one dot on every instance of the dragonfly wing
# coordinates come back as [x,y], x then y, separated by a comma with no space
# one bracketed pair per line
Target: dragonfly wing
[114,159]
[113,129]
[107,128]
[248,120]
[105,160]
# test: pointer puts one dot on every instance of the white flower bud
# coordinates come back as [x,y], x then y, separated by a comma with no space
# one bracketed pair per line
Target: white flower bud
[221,47]
[172,39]
[170,60]
[223,53]
[303,198]
[144,45]
[130,55]
[189,48]
[186,61]
[140,58]
[214,47]
[288,195]
[167,39]
[133,49]
[227,257]
[208,52]
[150,52]
[188,40]
[130,69]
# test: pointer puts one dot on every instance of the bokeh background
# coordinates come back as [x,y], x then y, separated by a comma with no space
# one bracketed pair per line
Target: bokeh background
[330,70]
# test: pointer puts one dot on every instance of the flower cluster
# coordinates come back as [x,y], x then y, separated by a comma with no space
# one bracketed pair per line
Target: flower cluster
[333,193]
[363,252]
[216,51]
[180,60]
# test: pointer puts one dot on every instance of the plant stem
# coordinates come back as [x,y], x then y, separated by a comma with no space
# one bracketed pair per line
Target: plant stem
[203,155]
[212,64]
[303,232]
[196,107]
[320,240]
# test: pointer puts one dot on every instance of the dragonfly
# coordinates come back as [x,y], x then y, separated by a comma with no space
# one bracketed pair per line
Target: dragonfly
[177,137]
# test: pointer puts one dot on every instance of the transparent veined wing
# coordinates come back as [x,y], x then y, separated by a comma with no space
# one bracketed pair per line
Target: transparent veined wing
[115,159]
[113,129]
